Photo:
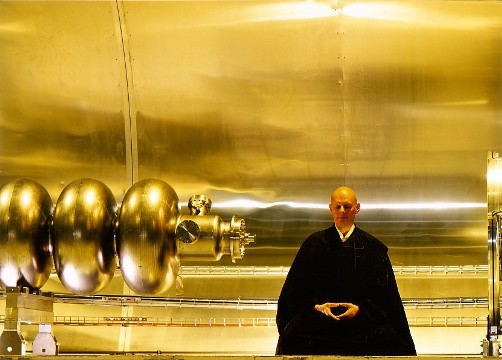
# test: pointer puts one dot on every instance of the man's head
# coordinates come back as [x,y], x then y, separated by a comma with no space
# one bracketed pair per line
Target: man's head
[344,207]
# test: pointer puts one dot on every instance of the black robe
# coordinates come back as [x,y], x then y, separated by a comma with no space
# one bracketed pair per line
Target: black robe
[357,271]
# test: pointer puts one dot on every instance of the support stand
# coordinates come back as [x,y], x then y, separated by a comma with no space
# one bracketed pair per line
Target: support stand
[23,307]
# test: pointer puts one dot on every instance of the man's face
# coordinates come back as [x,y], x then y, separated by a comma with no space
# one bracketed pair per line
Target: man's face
[344,208]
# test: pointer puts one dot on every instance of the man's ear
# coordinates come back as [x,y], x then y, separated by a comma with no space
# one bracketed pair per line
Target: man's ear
[358,207]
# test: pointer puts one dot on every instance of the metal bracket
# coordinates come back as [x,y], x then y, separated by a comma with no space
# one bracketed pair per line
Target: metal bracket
[23,307]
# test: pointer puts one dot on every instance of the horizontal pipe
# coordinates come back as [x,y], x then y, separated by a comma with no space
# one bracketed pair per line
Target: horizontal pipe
[419,321]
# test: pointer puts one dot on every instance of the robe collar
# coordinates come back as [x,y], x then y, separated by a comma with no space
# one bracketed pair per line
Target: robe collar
[344,238]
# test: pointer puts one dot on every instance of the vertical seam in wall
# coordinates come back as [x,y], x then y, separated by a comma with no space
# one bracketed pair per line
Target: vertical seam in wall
[341,63]
[129,112]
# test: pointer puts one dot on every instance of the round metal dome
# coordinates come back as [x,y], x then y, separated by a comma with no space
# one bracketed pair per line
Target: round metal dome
[83,236]
[25,212]
[145,238]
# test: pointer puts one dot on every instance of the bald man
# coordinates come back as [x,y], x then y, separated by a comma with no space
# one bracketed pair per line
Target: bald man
[340,296]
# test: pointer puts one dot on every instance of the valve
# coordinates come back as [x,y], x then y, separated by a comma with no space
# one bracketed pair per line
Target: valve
[203,237]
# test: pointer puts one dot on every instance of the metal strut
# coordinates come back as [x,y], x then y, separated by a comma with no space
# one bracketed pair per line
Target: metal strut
[491,345]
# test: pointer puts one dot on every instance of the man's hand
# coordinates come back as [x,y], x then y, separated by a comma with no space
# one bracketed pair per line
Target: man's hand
[351,312]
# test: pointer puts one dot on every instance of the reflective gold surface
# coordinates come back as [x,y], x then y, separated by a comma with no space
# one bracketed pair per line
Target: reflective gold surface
[265,106]
[83,236]
[25,214]
[145,237]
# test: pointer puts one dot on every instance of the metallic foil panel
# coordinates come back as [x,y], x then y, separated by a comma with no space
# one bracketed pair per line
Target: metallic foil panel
[78,128]
[265,106]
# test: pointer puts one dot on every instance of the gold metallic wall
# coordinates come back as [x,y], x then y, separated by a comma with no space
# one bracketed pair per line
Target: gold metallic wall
[275,103]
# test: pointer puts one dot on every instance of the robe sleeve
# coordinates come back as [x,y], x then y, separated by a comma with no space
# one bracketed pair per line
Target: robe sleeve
[296,293]
[384,305]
